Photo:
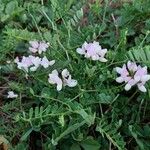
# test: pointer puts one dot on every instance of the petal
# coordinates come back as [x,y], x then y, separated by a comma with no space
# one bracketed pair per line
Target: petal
[65,73]
[119,79]
[118,70]
[103,59]
[145,78]
[127,87]
[34,44]
[59,87]
[33,50]
[142,88]
[55,72]
[52,62]
[72,83]
[45,62]
[34,68]
[80,51]
[137,78]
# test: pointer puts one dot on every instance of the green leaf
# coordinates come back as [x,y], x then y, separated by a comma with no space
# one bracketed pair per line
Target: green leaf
[90,144]
[10,7]
[24,137]
[75,147]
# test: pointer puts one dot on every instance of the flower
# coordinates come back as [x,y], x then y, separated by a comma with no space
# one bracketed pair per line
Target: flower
[39,47]
[132,75]
[46,63]
[36,62]
[54,79]
[64,80]
[33,62]
[11,94]
[67,80]
[24,64]
[93,51]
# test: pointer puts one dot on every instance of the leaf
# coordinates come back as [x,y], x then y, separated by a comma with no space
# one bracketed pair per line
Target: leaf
[88,118]
[75,147]
[10,7]
[67,131]
[90,144]
[24,137]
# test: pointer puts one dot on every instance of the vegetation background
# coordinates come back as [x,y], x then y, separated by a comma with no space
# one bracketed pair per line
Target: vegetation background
[97,114]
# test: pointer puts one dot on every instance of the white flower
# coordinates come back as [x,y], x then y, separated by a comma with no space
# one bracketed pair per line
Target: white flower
[11,94]
[67,80]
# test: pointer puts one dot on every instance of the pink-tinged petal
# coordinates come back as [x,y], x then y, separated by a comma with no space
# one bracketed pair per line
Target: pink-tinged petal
[72,83]
[45,62]
[132,82]
[80,51]
[142,88]
[118,70]
[127,87]
[33,50]
[103,59]
[34,44]
[137,78]
[132,66]
[119,80]
[42,47]
[127,79]
[145,78]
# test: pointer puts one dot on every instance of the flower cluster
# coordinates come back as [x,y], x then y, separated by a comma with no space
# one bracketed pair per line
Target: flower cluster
[64,79]
[11,94]
[93,51]
[33,62]
[39,47]
[132,75]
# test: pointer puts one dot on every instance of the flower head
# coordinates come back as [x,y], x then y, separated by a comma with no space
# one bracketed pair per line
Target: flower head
[93,51]
[39,47]
[33,62]
[11,94]
[64,80]
[67,79]
[132,75]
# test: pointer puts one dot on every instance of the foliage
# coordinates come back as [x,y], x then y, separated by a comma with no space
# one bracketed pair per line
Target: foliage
[97,114]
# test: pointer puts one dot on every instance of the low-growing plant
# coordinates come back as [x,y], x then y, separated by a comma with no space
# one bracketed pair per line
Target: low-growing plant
[74,74]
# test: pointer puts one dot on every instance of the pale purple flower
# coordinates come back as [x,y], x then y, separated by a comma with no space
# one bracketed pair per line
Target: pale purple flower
[24,64]
[132,75]
[54,79]
[64,79]
[46,63]
[93,51]
[11,94]
[67,80]
[36,62]
[39,47]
